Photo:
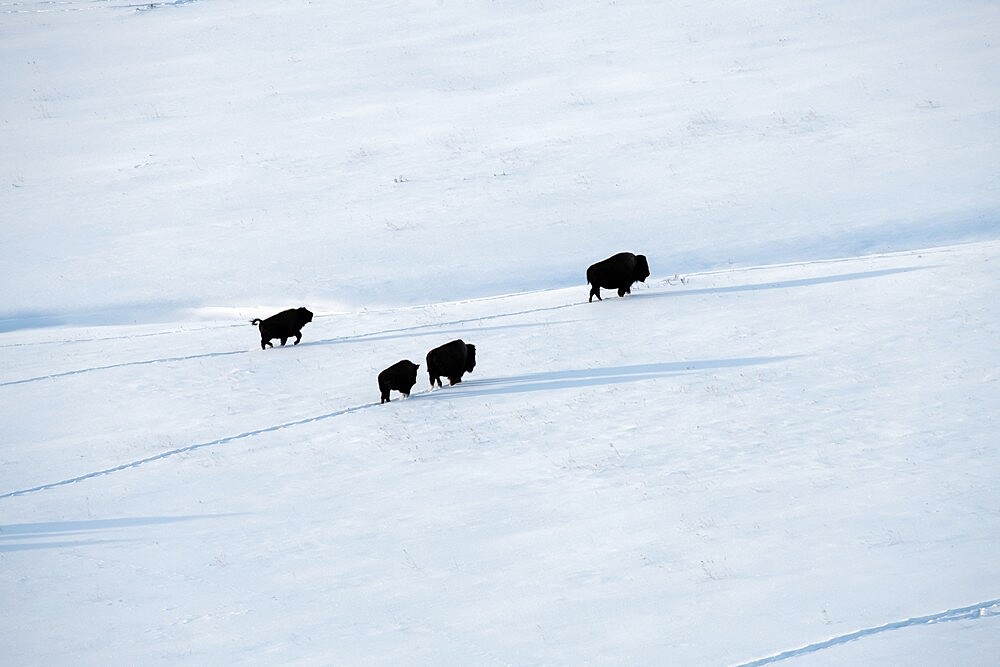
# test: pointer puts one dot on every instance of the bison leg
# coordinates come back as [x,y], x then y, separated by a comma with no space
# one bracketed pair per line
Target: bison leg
[265,343]
[385,398]
[455,380]
[622,291]
[283,341]
[298,337]
[594,291]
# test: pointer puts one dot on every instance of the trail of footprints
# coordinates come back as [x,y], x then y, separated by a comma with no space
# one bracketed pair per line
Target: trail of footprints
[451,360]
[403,380]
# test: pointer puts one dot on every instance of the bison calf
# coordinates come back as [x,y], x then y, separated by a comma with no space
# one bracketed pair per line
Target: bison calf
[451,360]
[617,272]
[284,325]
[401,377]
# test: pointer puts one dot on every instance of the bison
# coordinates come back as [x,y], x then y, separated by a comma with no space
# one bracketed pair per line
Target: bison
[617,272]
[401,376]
[284,325]
[451,360]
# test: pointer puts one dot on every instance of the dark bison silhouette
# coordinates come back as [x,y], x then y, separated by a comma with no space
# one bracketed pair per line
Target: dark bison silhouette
[617,272]
[451,360]
[401,376]
[284,325]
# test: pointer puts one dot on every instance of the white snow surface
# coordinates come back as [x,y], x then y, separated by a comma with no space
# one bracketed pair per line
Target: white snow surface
[782,448]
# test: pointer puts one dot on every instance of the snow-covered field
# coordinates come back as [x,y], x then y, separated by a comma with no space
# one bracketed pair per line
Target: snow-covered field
[782,448]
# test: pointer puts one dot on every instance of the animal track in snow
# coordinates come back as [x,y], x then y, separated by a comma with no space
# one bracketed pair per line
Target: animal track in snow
[184,450]
[978,610]
[124,364]
[306,343]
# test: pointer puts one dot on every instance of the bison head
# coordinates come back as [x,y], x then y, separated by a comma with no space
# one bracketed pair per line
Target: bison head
[641,268]
[470,358]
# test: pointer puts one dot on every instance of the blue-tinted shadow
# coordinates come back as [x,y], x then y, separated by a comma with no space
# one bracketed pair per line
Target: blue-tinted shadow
[554,380]
[66,534]
[780,284]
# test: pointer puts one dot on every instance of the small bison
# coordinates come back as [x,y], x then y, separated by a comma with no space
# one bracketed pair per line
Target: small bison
[284,325]
[617,272]
[401,376]
[451,360]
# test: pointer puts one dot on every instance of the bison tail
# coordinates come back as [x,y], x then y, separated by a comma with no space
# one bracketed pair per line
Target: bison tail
[255,321]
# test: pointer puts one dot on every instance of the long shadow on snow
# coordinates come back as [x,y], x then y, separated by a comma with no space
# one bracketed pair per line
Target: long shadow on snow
[24,532]
[141,312]
[781,284]
[507,385]
[516,384]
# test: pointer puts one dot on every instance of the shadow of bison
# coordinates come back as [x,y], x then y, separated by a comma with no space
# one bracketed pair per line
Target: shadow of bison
[284,325]
[401,377]
[450,360]
[617,272]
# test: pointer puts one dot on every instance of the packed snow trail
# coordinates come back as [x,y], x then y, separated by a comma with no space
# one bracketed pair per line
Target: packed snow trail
[978,610]
[187,449]
[146,362]
[514,384]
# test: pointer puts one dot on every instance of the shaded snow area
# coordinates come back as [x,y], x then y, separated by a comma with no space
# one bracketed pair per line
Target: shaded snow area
[780,449]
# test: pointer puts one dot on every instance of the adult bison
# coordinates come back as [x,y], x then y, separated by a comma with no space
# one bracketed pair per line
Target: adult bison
[401,376]
[451,360]
[284,325]
[617,272]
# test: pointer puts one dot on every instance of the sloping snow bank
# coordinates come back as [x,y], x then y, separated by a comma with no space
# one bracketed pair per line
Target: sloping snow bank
[709,472]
